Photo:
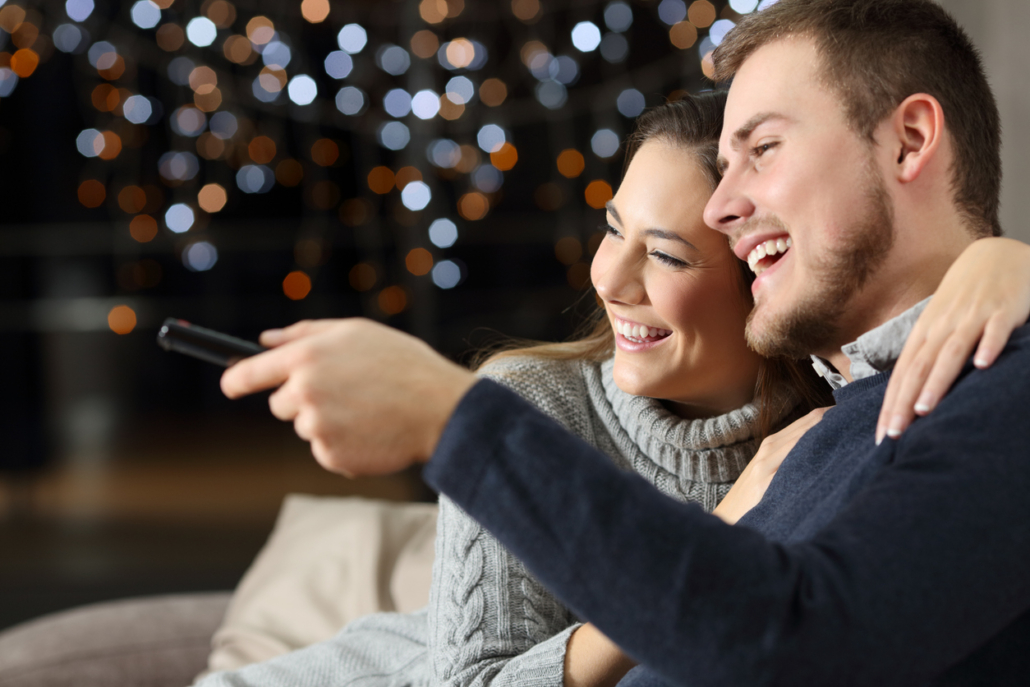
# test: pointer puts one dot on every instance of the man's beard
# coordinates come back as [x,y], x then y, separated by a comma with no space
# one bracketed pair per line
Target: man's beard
[812,324]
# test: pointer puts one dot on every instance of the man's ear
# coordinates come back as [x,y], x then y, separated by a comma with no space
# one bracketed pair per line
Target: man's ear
[918,125]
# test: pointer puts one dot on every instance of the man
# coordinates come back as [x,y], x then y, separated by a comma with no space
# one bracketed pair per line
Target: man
[865,132]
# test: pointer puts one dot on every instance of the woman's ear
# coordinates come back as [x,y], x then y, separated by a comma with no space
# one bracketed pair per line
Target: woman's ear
[918,126]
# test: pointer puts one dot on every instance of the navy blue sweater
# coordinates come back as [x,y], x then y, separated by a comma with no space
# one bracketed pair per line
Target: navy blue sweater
[903,564]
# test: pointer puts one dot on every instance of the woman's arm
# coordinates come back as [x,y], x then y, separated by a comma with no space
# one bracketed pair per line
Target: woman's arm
[983,297]
[593,660]
[750,487]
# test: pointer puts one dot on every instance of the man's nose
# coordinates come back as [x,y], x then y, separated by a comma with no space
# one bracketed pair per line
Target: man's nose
[728,207]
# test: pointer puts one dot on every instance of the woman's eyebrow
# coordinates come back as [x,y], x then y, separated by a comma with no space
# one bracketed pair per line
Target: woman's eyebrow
[669,236]
[610,207]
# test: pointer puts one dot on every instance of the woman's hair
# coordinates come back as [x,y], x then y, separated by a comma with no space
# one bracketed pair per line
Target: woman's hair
[692,124]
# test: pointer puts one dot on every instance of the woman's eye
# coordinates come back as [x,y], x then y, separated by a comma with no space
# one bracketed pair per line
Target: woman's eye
[668,259]
[610,230]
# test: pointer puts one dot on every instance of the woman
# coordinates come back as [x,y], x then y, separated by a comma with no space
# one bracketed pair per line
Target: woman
[675,302]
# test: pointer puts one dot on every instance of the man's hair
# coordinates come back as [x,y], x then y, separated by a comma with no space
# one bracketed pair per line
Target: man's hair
[876,53]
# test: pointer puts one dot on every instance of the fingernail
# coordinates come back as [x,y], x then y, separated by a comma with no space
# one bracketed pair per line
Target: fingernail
[980,362]
[879,438]
[924,405]
[894,430]
[270,336]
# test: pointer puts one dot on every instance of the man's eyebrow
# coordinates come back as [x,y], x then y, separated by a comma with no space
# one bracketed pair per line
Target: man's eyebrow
[744,133]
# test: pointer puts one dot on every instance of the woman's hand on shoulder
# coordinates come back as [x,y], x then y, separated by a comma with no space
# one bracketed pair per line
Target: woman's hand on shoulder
[750,487]
[983,297]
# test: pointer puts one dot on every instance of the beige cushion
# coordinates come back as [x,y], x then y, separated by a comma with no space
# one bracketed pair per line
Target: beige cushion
[151,642]
[328,561]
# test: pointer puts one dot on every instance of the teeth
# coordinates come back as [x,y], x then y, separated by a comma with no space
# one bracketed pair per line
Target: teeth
[762,250]
[640,333]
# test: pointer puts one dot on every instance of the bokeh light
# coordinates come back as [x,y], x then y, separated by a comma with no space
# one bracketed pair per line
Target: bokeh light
[201,32]
[505,157]
[393,59]
[221,12]
[188,120]
[350,100]
[315,11]
[406,175]
[392,300]
[92,193]
[527,11]
[460,90]
[24,62]
[325,152]
[170,37]
[338,64]
[121,319]
[672,11]
[178,166]
[487,178]
[419,261]
[701,13]
[223,125]
[143,228]
[179,70]
[352,38]
[473,206]
[70,38]
[362,277]
[355,212]
[604,143]
[630,102]
[132,199]
[297,285]
[324,195]
[303,90]
[586,36]
[447,274]
[493,92]
[78,10]
[200,256]
[397,102]
[490,138]
[598,193]
[568,250]
[719,29]
[683,35]
[260,30]
[261,149]
[289,172]
[571,163]
[212,197]
[416,195]
[137,108]
[255,179]
[179,218]
[444,153]
[614,48]
[443,233]
[277,53]
[381,180]
[743,6]
[425,43]
[393,135]
[145,14]
[425,104]
[618,16]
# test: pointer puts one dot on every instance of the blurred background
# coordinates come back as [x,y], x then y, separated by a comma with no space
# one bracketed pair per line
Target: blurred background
[438,165]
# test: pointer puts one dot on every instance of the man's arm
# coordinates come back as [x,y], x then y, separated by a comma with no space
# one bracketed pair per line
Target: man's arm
[925,564]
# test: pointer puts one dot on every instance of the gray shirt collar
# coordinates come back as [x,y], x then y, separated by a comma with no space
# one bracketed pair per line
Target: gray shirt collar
[875,351]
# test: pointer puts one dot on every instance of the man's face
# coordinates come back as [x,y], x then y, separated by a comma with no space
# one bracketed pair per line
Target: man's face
[801,200]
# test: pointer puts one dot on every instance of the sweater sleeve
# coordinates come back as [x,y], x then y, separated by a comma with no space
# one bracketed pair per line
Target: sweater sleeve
[921,568]
[491,622]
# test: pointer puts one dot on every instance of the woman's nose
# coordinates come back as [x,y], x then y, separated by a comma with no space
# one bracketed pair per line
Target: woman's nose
[619,281]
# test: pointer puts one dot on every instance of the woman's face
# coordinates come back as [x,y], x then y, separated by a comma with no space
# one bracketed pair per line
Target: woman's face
[672,291]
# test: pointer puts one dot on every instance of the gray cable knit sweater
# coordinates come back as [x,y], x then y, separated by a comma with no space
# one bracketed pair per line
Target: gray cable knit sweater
[489,622]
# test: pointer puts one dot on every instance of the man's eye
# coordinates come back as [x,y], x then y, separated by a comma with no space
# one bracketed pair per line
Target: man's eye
[760,150]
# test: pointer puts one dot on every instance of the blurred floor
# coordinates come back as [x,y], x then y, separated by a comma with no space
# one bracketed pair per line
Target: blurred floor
[176,505]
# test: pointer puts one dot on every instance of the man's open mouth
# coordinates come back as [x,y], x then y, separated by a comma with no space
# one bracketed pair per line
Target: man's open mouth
[765,254]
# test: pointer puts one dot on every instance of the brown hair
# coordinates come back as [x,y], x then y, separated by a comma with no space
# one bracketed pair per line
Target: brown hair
[876,53]
[693,124]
